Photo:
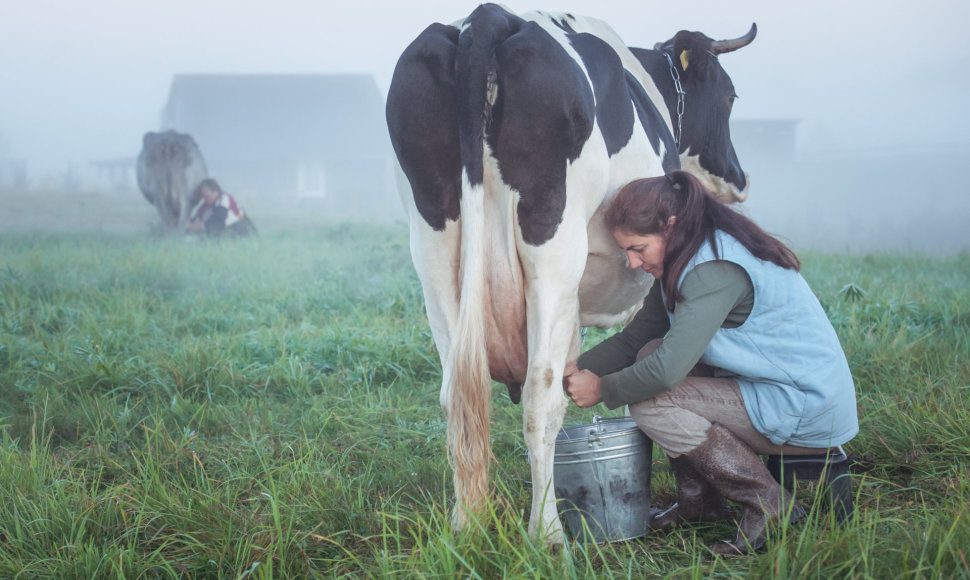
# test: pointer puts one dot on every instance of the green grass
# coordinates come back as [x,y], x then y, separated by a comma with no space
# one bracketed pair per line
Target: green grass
[268,409]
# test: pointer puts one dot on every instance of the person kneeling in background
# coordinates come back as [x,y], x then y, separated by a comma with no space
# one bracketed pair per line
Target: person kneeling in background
[218,213]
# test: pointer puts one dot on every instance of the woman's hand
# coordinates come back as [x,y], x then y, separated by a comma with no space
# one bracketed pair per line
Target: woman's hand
[583,387]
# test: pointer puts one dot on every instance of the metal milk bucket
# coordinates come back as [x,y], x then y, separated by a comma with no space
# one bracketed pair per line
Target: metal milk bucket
[602,474]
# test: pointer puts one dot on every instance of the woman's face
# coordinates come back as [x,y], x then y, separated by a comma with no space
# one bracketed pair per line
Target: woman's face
[645,252]
[210,195]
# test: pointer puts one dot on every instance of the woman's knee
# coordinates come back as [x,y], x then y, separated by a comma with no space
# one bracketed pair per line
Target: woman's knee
[673,429]
[648,409]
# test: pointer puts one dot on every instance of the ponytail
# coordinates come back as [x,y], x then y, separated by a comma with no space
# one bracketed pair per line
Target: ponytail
[644,207]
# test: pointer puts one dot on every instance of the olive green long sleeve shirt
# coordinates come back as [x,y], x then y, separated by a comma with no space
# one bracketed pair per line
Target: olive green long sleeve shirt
[715,294]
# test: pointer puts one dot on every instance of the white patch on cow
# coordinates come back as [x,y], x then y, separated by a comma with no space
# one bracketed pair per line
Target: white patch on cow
[435,257]
[724,190]
[610,292]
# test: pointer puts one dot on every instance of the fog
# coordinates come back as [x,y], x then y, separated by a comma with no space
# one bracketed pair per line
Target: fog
[877,91]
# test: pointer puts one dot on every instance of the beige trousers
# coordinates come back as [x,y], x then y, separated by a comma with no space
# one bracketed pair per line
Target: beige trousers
[678,419]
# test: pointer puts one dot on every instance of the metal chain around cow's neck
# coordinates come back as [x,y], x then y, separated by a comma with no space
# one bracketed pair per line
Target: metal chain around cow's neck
[680,99]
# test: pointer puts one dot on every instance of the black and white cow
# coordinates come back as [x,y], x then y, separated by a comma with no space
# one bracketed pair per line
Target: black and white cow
[170,168]
[514,131]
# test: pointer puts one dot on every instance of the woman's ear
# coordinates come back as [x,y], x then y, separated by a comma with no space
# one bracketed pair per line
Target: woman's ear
[668,229]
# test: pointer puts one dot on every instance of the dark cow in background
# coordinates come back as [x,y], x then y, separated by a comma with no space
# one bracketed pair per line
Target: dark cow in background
[170,167]
[514,132]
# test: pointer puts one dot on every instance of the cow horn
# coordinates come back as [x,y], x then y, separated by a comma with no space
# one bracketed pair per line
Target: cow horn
[722,46]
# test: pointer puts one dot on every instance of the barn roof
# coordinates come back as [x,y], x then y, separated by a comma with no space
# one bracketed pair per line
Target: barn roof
[267,117]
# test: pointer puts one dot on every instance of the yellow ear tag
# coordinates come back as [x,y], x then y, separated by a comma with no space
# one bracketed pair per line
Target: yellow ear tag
[683,59]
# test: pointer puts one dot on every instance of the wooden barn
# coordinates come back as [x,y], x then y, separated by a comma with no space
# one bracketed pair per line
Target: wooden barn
[320,139]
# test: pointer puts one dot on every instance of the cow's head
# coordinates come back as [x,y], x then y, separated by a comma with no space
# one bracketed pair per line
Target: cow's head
[700,114]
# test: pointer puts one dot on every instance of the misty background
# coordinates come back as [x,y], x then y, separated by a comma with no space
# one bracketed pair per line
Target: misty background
[852,119]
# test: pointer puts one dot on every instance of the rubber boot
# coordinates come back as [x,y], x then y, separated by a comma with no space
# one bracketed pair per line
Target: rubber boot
[738,474]
[697,500]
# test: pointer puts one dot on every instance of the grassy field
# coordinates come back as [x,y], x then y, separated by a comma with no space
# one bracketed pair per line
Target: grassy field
[268,408]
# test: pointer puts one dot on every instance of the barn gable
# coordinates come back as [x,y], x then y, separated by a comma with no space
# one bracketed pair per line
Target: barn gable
[319,137]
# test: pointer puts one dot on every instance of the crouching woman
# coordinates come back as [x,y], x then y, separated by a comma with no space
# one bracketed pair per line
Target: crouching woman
[730,357]
[218,214]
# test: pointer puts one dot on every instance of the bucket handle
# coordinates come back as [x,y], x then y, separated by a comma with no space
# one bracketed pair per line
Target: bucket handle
[591,437]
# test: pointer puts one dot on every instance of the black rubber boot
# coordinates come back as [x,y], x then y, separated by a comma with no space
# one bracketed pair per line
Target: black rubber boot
[697,500]
[738,474]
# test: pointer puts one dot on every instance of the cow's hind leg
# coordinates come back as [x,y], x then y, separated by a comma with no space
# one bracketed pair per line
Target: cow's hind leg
[422,121]
[553,273]
[553,309]
[546,110]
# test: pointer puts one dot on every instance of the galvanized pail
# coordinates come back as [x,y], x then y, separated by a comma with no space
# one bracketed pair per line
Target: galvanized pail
[602,475]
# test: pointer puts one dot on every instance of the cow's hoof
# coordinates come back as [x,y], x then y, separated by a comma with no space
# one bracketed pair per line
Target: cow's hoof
[552,536]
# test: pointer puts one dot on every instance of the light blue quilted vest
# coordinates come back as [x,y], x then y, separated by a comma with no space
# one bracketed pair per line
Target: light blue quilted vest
[786,356]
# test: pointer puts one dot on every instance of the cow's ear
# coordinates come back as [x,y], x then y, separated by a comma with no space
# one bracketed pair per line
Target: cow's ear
[683,44]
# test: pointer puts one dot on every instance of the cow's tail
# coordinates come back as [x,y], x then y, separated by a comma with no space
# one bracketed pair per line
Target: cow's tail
[469,406]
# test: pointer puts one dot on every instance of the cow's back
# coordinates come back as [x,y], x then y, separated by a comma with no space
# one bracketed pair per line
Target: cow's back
[170,167]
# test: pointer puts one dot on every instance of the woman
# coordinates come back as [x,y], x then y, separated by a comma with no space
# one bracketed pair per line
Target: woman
[218,212]
[772,377]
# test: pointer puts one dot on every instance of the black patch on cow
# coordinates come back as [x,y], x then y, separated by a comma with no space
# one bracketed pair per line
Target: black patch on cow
[653,124]
[541,119]
[614,114]
[485,30]
[422,121]
[564,24]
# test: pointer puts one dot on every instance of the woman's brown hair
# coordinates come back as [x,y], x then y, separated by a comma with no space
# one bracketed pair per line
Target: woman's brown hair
[644,207]
[209,183]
